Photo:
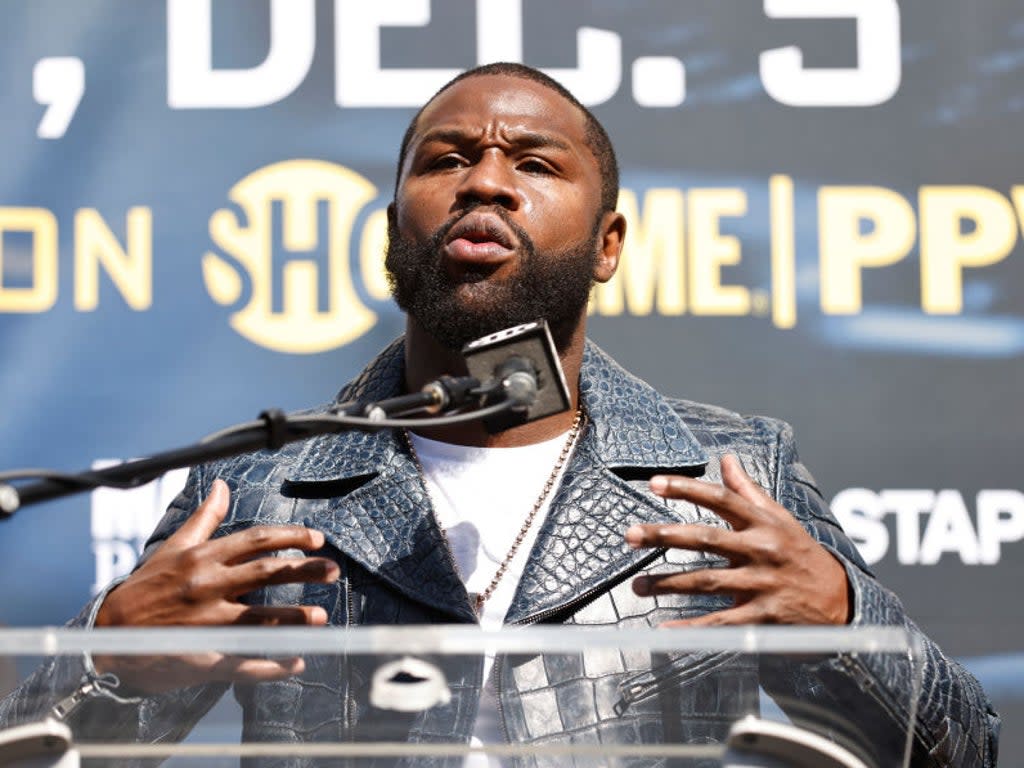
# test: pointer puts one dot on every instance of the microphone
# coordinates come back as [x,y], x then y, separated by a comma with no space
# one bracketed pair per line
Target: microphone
[522,364]
[517,365]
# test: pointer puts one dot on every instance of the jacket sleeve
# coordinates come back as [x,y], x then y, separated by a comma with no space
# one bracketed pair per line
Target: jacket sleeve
[955,724]
[96,706]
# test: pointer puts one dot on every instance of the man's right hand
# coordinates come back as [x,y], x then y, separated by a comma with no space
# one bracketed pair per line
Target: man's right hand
[193,580]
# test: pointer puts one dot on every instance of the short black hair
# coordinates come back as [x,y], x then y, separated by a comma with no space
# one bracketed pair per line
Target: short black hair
[594,133]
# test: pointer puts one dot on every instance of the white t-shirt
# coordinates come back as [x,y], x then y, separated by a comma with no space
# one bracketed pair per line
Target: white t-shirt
[481,497]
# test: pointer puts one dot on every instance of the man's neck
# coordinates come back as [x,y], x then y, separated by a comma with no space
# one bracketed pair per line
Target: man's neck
[426,360]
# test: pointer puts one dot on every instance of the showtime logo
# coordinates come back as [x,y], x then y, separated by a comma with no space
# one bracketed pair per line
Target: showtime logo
[284,263]
[926,525]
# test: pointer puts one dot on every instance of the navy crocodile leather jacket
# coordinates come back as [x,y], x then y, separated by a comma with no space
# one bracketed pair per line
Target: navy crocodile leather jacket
[364,492]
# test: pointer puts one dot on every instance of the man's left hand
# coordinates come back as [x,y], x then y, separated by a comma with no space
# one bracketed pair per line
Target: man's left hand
[777,574]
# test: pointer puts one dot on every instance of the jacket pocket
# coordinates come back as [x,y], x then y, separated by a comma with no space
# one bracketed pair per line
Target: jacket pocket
[675,673]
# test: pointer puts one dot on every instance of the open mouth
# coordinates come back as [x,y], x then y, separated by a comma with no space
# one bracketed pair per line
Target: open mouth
[480,238]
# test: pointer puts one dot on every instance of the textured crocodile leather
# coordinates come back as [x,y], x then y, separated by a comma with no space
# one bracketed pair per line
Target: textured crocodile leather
[363,491]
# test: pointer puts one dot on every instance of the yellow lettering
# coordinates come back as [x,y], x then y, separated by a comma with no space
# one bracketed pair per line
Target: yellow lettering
[652,259]
[783,251]
[946,249]
[299,326]
[710,250]
[845,250]
[41,263]
[130,268]
[1017,195]
[371,255]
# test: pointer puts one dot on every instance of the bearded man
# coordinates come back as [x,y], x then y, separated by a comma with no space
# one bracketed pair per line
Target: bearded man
[629,509]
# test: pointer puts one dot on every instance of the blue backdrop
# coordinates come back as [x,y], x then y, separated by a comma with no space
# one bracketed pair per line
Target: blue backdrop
[825,221]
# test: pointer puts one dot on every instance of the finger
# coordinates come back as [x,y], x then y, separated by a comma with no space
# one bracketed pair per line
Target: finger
[266,571]
[703,581]
[158,674]
[747,613]
[242,669]
[726,503]
[224,612]
[201,524]
[282,615]
[244,545]
[697,537]
[210,582]
[737,479]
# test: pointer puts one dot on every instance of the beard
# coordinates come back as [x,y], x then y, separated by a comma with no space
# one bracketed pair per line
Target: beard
[550,286]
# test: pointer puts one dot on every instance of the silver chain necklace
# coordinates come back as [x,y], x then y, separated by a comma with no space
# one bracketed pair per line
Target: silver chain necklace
[480,598]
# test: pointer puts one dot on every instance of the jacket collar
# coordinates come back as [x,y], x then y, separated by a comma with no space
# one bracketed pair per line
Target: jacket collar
[632,426]
[383,520]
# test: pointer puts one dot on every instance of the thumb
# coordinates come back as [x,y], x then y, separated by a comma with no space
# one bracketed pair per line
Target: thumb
[204,521]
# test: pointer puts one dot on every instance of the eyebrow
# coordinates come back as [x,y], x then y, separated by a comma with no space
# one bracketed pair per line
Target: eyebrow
[520,139]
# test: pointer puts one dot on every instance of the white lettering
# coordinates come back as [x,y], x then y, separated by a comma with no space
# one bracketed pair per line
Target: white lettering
[58,83]
[361,81]
[193,83]
[113,559]
[908,506]
[169,486]
[115,512]
[874,80]
[499,31]
[659,81]
[599,73]
[949,529]
[122,520]
[860,512]
[1000,520]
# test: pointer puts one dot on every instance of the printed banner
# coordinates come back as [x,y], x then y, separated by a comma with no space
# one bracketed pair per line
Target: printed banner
[825,212]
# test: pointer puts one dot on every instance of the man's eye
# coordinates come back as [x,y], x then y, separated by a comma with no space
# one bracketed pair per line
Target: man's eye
[535,166]
[446,162]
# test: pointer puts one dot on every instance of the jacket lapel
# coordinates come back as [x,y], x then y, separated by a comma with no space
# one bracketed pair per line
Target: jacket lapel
[632,434]
[365,493]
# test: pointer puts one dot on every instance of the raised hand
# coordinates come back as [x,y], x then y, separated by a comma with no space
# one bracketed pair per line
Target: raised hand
[777,573]
[193,580]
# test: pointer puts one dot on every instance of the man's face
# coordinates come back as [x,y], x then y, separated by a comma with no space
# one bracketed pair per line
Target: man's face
[497,212]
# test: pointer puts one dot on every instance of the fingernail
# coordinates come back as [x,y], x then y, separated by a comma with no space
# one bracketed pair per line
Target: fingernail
[659,483]
[318,615]
[642,585]
[331,571]
[634,536]
[218,488]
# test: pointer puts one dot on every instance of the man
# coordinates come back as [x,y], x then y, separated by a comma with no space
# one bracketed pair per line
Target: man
[629,509]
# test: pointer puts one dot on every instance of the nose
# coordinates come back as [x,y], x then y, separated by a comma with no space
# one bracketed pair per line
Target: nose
[490,181]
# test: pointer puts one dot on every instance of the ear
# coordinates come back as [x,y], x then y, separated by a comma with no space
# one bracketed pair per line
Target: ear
[612,235]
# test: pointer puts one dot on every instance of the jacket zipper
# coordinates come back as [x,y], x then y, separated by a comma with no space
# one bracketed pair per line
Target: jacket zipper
[70,703]
[350,621]
[636,689]
[865,681]
[580,601]
[589,595]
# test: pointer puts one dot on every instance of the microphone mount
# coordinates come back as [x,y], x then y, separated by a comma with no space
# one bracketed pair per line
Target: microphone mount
[515,366]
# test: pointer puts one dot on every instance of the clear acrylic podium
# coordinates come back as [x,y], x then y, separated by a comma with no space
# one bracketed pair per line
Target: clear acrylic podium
[565,696]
